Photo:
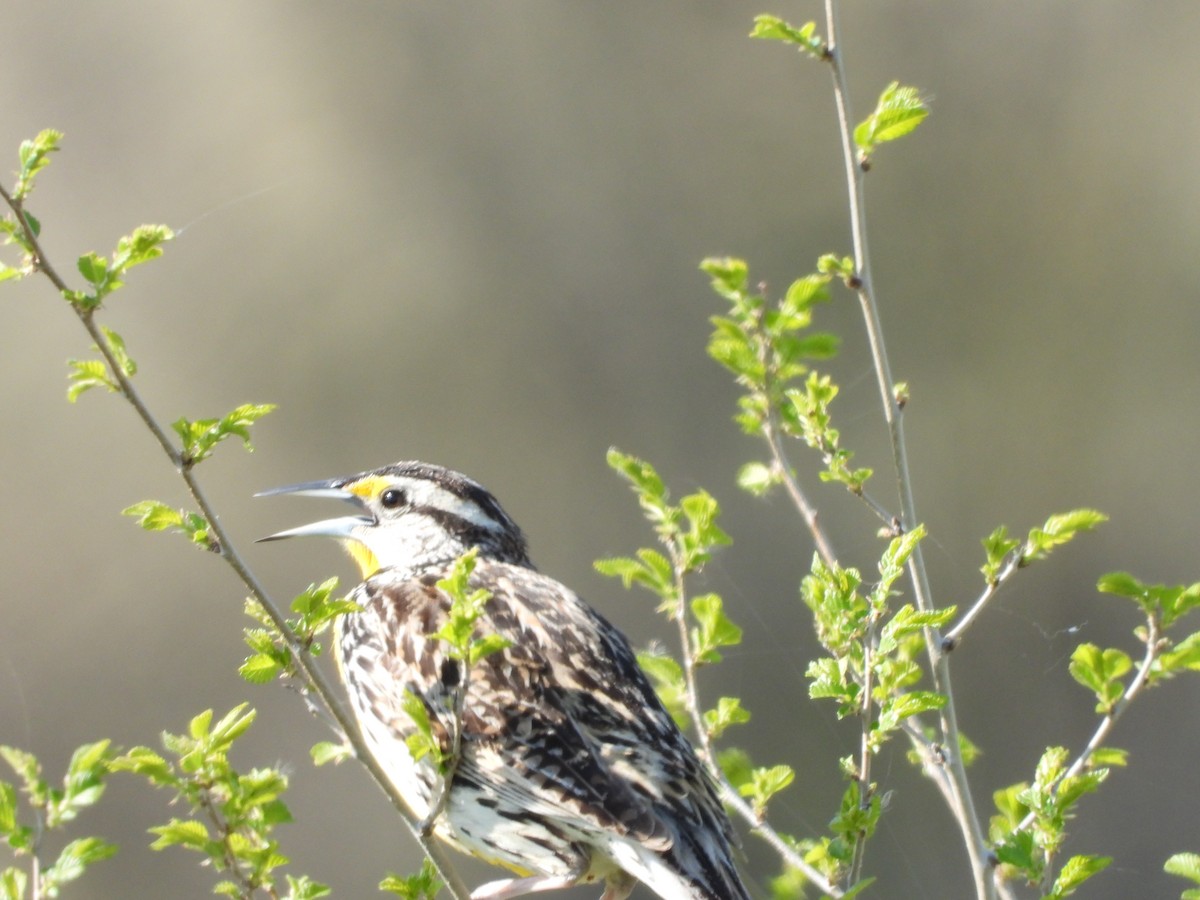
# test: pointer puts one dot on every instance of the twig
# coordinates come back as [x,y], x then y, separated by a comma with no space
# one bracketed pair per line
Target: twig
[232,864]
[1140,679]
[864,755]
[951,638]
[225,548]
[737,803]
[800,500]
[729,794]
[964,806]
[35,873]
[689,663]
[772,432]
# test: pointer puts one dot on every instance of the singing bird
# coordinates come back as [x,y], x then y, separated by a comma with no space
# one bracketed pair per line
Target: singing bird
[569,769]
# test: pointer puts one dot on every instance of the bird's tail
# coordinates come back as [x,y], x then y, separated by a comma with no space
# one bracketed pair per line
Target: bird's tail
[696,867]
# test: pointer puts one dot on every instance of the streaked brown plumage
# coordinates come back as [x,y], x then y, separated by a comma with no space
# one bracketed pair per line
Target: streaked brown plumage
[570,769]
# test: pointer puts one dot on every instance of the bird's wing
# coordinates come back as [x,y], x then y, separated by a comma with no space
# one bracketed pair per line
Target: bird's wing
[522,737]
[561,726]
[641,767]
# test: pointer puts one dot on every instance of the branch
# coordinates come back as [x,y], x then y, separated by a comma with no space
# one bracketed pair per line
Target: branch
[964,805]
[952,637]
[313,675]
[783,466]
[800,500]
[728,792]
[1139,682]
[864,754]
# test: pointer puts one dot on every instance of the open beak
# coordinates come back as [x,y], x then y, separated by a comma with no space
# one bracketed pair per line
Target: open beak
[342,527]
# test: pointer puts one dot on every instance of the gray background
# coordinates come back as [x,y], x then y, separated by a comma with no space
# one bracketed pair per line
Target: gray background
[469,233]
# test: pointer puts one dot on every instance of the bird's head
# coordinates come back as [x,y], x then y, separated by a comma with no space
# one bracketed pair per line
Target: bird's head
[409,515]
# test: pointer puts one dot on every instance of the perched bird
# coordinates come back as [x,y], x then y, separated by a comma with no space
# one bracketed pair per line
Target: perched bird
[570,771]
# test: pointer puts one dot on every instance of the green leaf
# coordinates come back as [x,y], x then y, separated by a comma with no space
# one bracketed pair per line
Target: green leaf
[260,668]
[837,266]
[154,516]
[27,766]
[1076,871]
[729,711]
[1060,529]
[116,346]
[313,601]
[303,888]
[736,765]
[86,374]
[330,752]
[757,478]
[667,676]
[230,727]
[703,533]
[1167,603]
[715,629]
[93,268]
[145,762]
[422,743]
[35,156]
[105,276]
[997,545]
[200,437]
[74,859]
[422,886]
[895,709]
[896,556]
[1184,655]
[13,883]
[765,783]
[1108,757]
[1175,602]
[1121,583]
[88,762]
[1101,671]
[638,472]
[908,620]
[773,28]
[187,833]
[651,570]
[899,111]
[263,788]
[143,245]
[629,570]
[486,646]
[729,277]
[1185,865]
[8,808]
[804,292]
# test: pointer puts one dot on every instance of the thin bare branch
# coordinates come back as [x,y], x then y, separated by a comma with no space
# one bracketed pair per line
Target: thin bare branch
[311,672]
[729,794]
[964,806]
[954,635]
[1154,646]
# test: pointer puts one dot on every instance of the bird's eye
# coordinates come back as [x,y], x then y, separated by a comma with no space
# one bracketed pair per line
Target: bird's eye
[392,498]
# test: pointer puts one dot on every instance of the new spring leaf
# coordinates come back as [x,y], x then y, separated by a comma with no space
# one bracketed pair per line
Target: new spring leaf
[200,437]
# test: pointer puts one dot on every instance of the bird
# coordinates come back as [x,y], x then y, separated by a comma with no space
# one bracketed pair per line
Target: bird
[569,768]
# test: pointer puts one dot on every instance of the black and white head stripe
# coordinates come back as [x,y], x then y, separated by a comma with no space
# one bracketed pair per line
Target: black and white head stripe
[462,506]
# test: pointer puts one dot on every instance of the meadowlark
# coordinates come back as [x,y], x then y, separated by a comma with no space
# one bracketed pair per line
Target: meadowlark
[570,771]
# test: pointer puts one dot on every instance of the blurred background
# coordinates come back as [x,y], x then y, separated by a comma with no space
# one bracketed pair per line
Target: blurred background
[469,233]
